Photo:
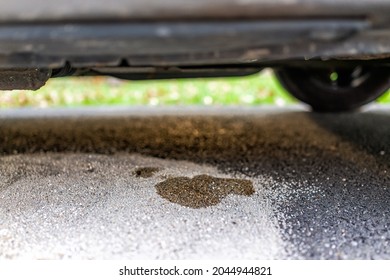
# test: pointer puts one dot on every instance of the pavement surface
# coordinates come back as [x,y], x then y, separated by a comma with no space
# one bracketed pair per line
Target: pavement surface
[194,183]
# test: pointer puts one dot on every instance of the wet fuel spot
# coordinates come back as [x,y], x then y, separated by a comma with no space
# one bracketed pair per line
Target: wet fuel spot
[146,172]
[202,190]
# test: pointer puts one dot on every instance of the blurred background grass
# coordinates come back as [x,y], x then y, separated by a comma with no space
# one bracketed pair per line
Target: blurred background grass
[257,89]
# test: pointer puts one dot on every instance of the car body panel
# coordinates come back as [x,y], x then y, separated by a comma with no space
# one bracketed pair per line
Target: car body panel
[141,39]
[155,10]
[44,33]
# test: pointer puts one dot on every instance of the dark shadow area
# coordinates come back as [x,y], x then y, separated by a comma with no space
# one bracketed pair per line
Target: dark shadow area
[368,131]
[331,171]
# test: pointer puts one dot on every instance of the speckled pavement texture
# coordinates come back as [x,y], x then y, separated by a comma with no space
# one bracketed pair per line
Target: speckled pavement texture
[194,183]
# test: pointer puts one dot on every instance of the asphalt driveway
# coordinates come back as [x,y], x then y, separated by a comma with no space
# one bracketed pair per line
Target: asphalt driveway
[180,183]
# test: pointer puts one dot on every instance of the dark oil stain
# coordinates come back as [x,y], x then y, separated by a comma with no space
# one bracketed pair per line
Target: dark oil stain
[202,190]
[146,172]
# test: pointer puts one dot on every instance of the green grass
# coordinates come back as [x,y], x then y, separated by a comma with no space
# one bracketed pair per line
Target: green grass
[97,91]
[385,98]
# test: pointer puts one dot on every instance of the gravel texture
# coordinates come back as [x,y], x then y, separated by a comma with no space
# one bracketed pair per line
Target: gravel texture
[194,183]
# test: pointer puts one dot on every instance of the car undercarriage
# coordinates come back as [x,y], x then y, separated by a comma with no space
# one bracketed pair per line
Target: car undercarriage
[332,55]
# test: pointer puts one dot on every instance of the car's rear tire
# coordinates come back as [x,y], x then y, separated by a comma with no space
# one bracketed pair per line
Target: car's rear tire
[335,89]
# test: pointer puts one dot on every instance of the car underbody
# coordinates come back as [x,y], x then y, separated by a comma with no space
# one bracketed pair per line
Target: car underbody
[337,52]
